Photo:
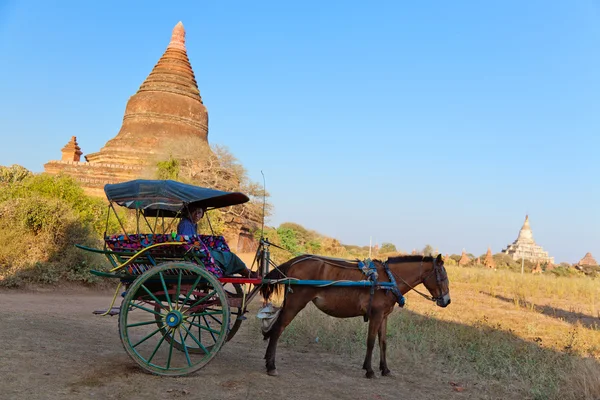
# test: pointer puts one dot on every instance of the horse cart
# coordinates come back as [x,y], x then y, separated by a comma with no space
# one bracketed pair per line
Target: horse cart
[179,308]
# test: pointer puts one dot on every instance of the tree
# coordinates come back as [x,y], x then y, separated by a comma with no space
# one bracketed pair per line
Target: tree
[504,261]
[303,235]
[217,168]
[387,248]
[428,250]
[288,239]
[455,257]
[168,169]
[13,174]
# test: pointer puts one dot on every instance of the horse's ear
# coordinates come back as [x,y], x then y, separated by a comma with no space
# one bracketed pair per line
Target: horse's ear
[439,259]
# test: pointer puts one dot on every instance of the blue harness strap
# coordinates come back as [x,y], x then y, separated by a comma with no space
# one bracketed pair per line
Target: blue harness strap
[368,268]
[400,299]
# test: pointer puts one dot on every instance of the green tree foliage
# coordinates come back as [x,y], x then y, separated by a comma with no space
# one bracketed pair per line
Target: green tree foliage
[504,261]
[296,240]
[41,218]
[288,239]
[387,248]
[13,174]
[168,169]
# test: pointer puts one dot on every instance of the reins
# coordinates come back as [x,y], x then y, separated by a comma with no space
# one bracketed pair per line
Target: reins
[423,280]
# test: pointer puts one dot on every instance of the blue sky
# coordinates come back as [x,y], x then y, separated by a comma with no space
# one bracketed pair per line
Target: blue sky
[414,123]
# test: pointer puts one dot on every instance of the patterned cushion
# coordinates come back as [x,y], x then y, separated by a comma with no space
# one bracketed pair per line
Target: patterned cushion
[199,244]
[215,242]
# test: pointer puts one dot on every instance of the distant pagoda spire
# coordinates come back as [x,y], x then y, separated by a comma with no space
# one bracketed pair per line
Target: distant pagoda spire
[464,258]
[525,234]
[587,260]
[489,259]
[71,151]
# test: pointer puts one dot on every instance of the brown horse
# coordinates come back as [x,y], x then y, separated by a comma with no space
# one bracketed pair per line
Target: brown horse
[345,302]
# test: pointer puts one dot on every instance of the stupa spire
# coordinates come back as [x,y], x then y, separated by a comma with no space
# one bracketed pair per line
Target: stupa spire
[71,151]
[489,259]
[164,117]
[178,37]
[525,234]
[464,259]
[173,72]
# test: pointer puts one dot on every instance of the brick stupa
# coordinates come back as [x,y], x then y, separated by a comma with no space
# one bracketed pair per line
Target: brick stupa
[489,259]
[588,261]
[464,259]
[165,117]
[71,151]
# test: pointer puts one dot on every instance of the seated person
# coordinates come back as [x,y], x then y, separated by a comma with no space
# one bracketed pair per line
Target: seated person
[228,261]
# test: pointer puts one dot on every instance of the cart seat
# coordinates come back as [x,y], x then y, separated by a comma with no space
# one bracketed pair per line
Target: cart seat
[200,245]
[138,242]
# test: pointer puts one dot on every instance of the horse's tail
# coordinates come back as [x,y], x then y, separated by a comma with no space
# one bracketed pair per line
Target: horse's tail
[269,289]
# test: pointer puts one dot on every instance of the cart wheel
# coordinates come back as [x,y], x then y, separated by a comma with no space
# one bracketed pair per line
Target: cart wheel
[234,321]
[189,304]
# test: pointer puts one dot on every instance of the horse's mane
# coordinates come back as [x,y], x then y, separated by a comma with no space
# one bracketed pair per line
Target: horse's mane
[410,258]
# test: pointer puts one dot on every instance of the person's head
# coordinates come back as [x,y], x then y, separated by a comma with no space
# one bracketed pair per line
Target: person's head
[196,213]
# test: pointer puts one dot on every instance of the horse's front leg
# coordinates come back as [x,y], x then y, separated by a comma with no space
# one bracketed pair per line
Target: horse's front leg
[374,324]
[382,347]
[291,307]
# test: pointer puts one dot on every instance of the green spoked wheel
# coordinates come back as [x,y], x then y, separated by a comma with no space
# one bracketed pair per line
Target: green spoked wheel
[187,303]
[234,295]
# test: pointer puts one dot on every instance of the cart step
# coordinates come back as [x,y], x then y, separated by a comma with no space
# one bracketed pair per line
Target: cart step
[113,311]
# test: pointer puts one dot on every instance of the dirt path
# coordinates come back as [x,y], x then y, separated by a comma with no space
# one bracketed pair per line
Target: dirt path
[53,347]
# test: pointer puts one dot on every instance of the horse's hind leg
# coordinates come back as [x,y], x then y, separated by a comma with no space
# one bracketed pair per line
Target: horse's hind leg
[382,347]
[293,304]
[374,325]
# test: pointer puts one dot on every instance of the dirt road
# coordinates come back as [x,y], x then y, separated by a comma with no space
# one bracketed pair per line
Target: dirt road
[53,347]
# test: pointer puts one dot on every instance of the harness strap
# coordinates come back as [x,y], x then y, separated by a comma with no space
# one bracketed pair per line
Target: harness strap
[399,298]
[370,270]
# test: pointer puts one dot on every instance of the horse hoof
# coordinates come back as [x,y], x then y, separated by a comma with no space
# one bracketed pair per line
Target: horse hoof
[370,374]
[273,372]
[386,372]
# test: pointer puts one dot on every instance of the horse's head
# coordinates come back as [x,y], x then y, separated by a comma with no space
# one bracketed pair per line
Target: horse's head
[437,283]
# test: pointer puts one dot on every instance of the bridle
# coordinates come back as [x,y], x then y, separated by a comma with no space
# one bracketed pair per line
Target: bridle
[440,276]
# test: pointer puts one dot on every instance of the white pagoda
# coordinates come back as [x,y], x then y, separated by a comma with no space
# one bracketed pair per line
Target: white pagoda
[525,247]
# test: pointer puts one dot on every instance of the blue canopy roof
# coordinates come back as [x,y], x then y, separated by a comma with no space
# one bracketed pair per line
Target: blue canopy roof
[167,197]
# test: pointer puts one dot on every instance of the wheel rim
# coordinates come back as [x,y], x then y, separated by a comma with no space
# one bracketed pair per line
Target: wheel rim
[174,300]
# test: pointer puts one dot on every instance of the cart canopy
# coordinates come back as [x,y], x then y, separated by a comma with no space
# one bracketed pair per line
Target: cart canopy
[167,198]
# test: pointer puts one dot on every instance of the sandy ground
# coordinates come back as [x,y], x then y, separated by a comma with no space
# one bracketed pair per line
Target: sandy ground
[53,347]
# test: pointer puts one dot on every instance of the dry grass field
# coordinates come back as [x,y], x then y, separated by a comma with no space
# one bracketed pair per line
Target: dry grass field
[505,336]
[532,336]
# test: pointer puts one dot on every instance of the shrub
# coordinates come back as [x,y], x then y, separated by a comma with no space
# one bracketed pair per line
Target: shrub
[41,219]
